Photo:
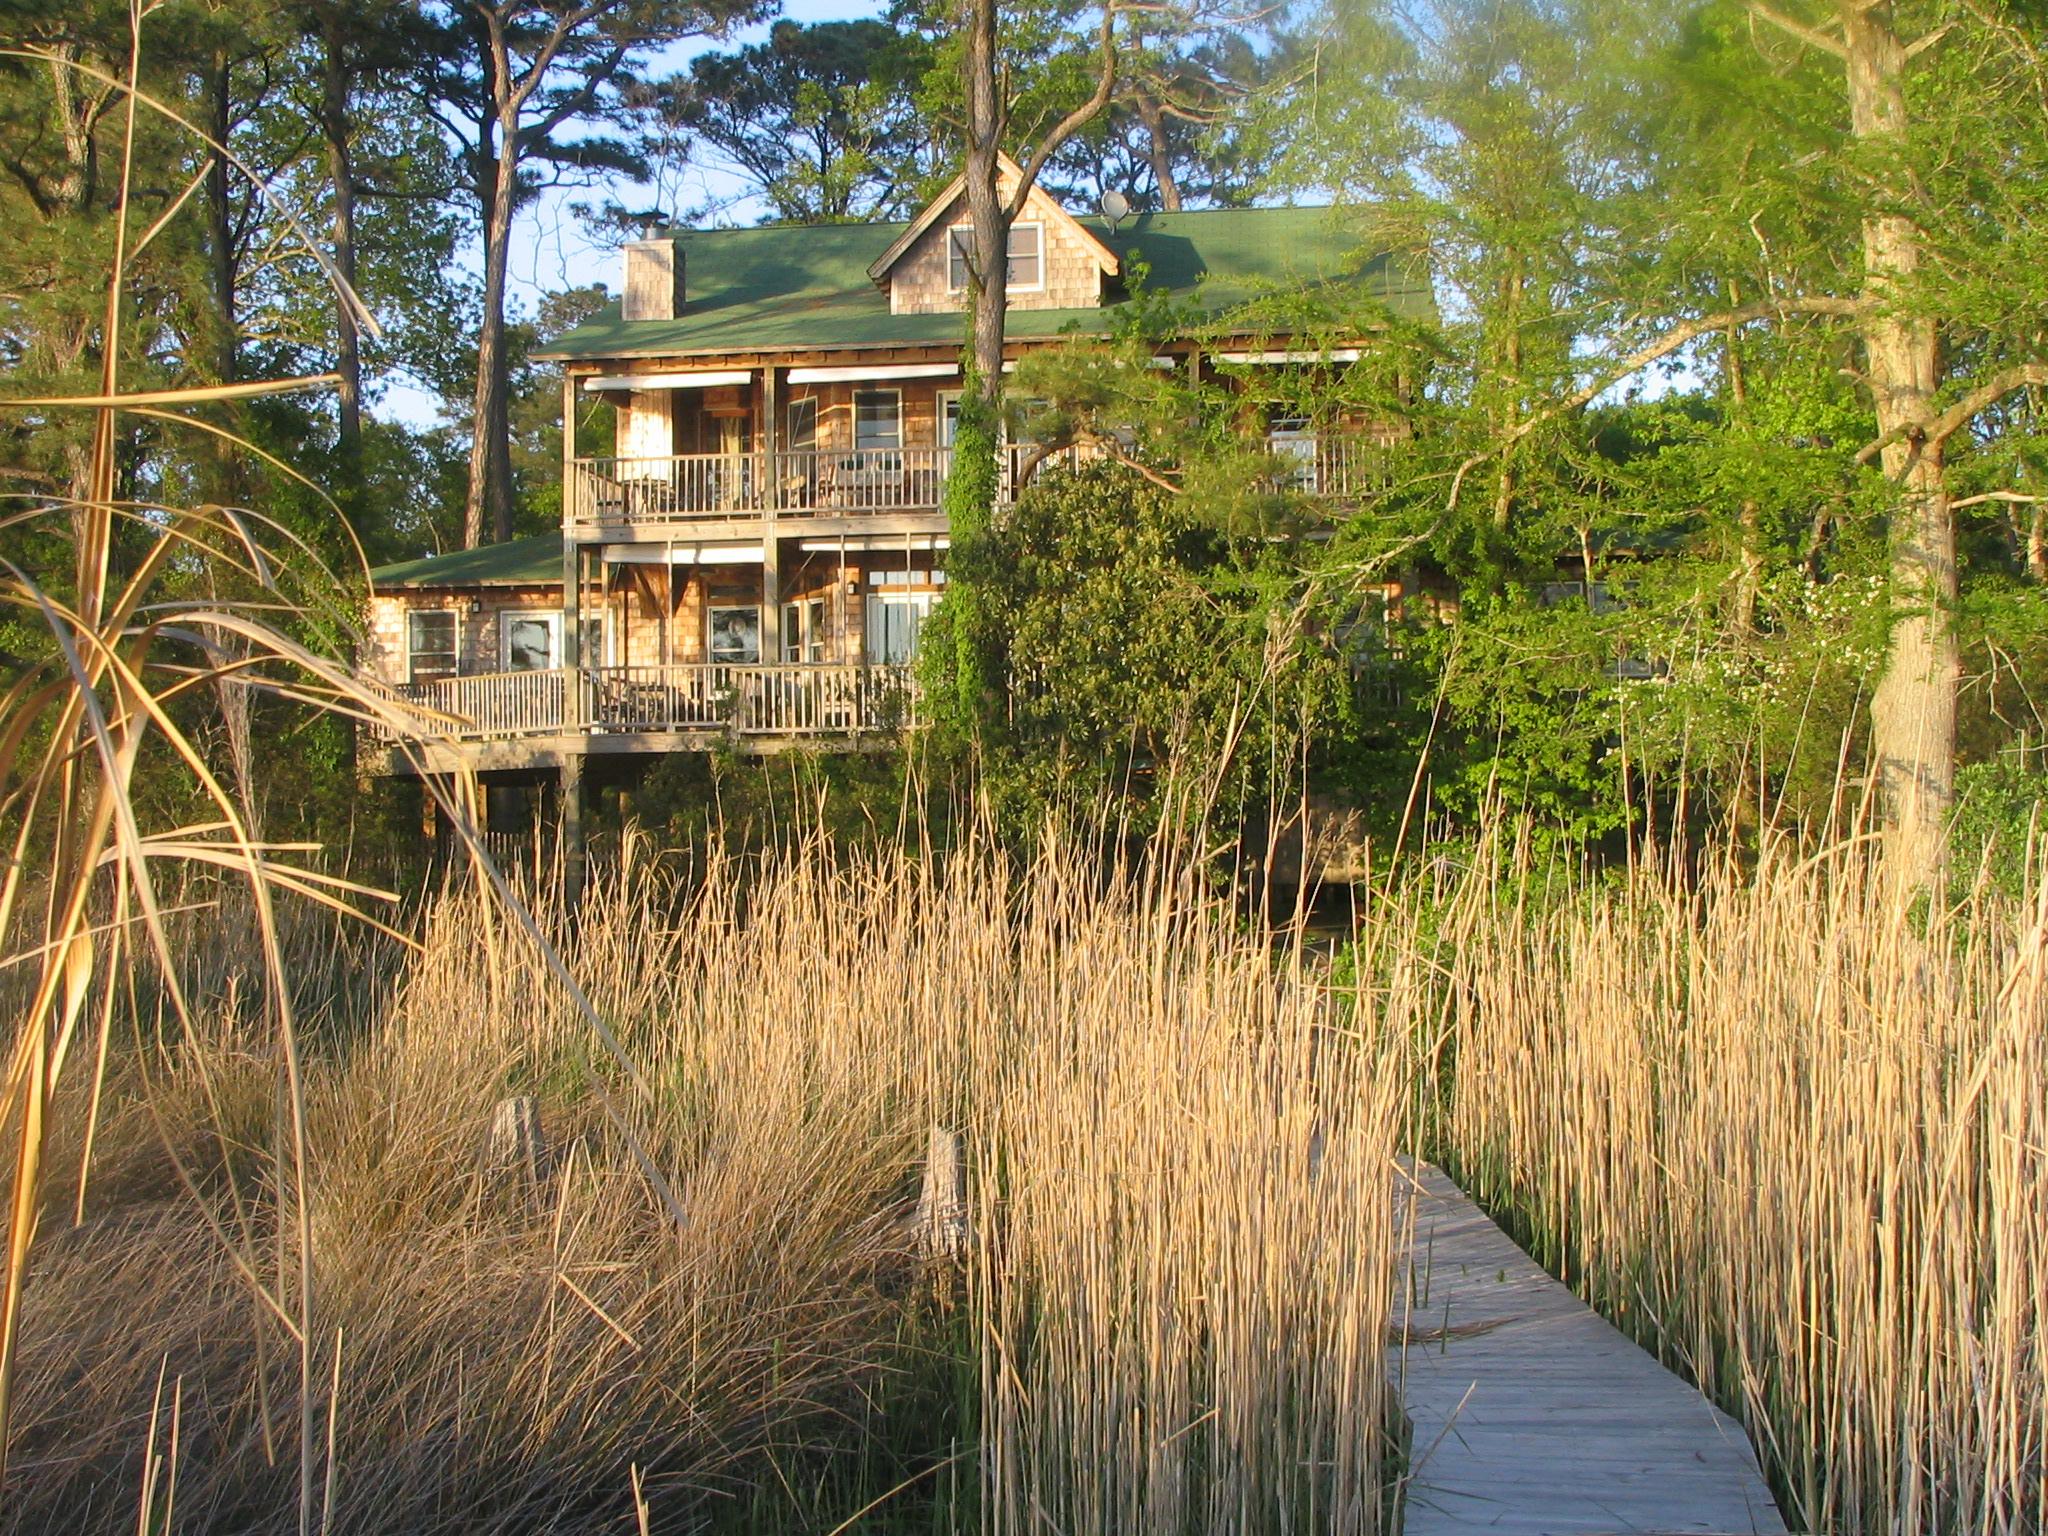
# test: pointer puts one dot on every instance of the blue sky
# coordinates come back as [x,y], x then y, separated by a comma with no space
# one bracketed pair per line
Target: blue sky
[550,249]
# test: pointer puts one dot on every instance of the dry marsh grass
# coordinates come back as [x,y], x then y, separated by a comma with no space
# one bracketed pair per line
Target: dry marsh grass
[1793,1134]
[1170,1315]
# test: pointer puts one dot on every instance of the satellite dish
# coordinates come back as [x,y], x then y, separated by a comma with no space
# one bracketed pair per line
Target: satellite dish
[1114,206]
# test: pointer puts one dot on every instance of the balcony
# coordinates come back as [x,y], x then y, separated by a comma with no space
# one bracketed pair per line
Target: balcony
[705,488]
[614,706]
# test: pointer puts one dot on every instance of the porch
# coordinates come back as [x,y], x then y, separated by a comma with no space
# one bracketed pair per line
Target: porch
[674,490]
[789,701]
[685,488]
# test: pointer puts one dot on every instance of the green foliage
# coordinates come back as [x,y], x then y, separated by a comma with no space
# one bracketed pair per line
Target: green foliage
[961,642]
[1144,654]
[696,801]
[1999,827]
[818,121]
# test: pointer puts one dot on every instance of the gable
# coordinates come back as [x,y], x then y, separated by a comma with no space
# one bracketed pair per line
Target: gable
[917,269]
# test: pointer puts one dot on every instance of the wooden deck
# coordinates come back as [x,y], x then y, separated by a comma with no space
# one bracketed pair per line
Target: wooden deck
[1532,1416]
[520,720]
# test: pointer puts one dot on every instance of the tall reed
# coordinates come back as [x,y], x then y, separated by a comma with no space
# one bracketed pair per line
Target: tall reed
[1170,1314]
[1794,1134]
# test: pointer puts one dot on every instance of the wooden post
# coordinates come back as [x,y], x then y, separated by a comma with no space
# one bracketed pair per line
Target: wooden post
[575,851]
[572,500]
[572,635]
[771,552]
[941,1223]
[516,1153]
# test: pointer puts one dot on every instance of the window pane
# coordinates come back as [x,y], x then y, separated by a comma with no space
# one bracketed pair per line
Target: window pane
[529,642]
[735,635]
[430,644]
[803,424]
[877,419]
[1026,257]
[956,257]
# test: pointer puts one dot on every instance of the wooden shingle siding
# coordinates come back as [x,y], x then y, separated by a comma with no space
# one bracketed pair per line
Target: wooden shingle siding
[384,654]
[654,281]
[1072,265]
[647,428]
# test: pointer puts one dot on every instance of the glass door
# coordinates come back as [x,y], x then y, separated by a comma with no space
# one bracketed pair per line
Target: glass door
[894,620]
[803,631]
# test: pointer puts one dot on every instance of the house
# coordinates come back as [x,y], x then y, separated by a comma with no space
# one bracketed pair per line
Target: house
[753,560]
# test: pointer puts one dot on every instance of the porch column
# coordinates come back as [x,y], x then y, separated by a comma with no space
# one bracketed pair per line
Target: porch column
[572,635]
[572,498]
[771,551]
[575,851]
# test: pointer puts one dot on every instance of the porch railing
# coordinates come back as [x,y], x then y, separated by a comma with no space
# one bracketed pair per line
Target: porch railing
[816,482]
[1336,467]
[790,699]
[674,489]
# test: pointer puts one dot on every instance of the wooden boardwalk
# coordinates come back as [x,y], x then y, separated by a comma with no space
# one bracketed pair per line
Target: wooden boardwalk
[1532,1416]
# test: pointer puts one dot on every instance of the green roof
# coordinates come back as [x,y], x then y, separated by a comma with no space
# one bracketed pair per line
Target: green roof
[521,563]
[807,285]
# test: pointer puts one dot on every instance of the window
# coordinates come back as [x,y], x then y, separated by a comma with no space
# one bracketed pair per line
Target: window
[532,641]
[894,619]
[1027,256]
[733,635]
[899,601]
[803,630]
[897,576]
[430,644]
[1292,440]
[877,420]
[803,424]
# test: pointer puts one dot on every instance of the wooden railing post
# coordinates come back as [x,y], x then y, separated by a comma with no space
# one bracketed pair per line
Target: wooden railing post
[574,715]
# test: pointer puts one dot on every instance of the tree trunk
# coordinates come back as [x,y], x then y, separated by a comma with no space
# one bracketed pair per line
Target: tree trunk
[1750,575]
[488,510]
[228,484]
[220,225]
[1913,713]
[1154,120]
[989,277]
[73,194]
[1508,487]
[348,353]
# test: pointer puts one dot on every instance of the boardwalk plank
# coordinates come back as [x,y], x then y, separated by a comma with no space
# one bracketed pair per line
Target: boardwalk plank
[1532,1416]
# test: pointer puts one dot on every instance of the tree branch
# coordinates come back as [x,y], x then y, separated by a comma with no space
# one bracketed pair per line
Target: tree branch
[2016,498]
[1076,120]
[1663,347]
[1799,29]
[1927,40]
[1959,415]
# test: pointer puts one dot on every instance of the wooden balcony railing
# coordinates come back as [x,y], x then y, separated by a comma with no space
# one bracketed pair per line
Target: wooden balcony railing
[791,699]
[714,487]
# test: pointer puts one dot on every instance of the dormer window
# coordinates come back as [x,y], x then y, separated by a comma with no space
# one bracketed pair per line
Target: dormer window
[1027,256]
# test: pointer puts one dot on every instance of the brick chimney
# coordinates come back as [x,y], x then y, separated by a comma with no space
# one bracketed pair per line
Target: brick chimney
[654,280]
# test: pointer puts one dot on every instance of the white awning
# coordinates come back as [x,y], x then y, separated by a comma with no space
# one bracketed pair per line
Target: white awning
[859,373]
[867,543]
[708,379]
[1336,355]
[1010,365]
[683,554]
